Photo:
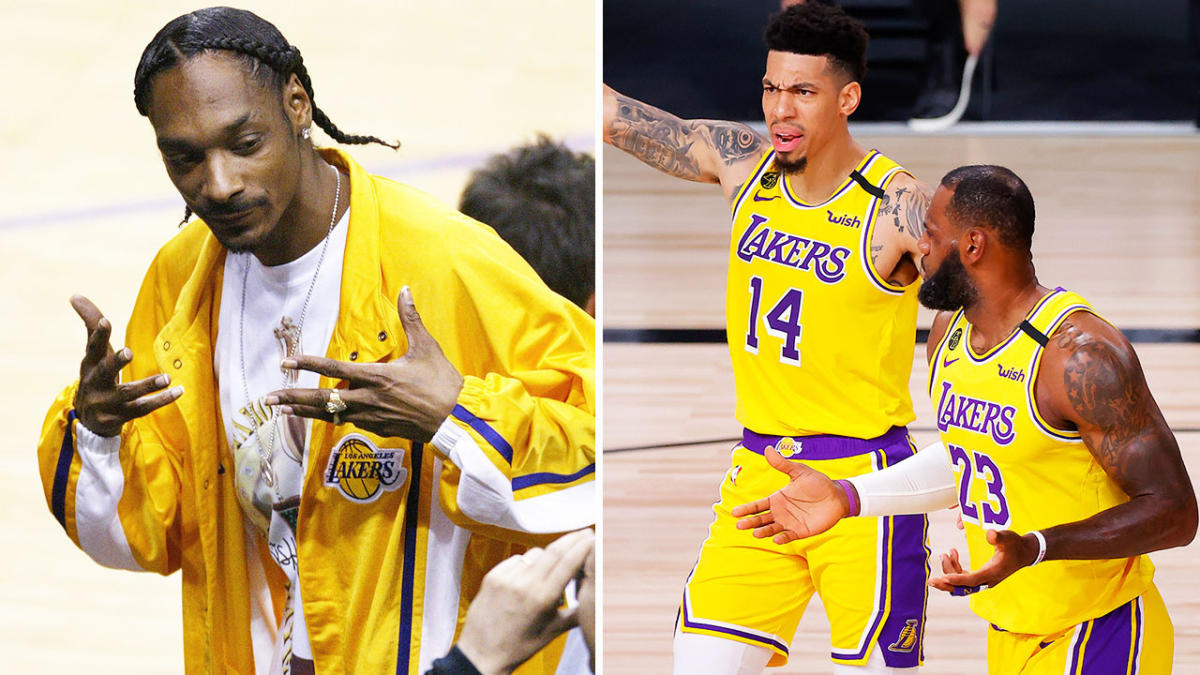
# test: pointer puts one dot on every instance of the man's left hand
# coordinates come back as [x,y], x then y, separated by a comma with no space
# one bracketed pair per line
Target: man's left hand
[407,398]
[1013,552]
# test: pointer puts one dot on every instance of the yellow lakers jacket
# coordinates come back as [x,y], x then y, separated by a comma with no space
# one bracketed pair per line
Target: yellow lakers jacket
[387,569]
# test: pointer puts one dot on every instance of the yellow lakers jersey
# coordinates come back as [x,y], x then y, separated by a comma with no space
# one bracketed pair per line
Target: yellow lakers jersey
[1016,472]
[820,342]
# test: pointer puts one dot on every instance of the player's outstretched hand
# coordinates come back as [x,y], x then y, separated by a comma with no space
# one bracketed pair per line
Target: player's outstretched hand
[517,610]
[808,505]
[102,403]
[407,398]
[1013,552]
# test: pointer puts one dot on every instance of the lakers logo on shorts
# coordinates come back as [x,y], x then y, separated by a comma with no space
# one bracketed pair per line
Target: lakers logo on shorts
[908,637]
[361,471]
[788,447]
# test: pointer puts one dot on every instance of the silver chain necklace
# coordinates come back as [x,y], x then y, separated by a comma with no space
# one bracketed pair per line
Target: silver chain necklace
[267,451]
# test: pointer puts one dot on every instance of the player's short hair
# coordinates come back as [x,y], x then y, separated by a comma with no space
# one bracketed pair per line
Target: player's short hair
[541,199]
[821,30]
[994,197]
[266,54]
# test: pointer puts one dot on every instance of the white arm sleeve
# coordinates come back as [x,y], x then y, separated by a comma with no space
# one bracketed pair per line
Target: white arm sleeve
[919,484]
[97,493]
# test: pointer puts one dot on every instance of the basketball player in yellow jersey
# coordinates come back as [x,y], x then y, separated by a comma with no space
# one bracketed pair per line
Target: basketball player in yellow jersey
[1054,449]
[821,324]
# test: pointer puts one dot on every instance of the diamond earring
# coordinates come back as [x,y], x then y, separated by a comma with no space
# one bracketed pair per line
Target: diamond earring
[306,133]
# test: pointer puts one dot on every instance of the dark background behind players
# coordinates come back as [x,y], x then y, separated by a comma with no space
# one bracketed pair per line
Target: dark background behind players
[1068,60]
[541,198]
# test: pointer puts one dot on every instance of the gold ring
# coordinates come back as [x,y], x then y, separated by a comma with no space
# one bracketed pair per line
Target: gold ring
[335,404]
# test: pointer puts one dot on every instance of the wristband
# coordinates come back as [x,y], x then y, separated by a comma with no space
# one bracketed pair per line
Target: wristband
[1041,547]
[851,497]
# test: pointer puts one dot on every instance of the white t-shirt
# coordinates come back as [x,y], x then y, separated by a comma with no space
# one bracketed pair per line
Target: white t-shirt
[263,319]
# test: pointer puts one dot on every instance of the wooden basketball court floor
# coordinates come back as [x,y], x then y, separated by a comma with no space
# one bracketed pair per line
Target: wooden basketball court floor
[86,203]
[1116,221]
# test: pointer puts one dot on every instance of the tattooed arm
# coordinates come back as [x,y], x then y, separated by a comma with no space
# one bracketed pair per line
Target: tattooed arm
[1095,383]
[706,151]
[899,224]
[1090,378]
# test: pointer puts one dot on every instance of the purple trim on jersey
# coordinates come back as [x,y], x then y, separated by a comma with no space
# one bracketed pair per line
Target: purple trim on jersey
[1138,631]
[905,556]
[827,446]
[489,434]
[861,168]
[62,473]
[935,365]
[752,184]
[689,622]
[1030,396]
[1012,336]
[864,246]
[412,514]
[1110,643]
[522,482]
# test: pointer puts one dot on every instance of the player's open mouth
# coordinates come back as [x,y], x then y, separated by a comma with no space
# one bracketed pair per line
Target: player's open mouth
[786,142]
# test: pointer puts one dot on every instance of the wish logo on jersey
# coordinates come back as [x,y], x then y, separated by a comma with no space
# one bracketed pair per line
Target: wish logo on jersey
[975,414]
[361,471]
[827,262]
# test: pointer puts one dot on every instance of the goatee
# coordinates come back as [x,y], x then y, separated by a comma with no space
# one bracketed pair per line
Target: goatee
[791,166]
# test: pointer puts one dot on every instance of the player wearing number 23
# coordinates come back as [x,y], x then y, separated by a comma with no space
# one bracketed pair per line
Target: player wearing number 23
[1054,449]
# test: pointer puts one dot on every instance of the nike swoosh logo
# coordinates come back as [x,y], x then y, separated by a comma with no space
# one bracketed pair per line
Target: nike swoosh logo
[763,199]
[946,362]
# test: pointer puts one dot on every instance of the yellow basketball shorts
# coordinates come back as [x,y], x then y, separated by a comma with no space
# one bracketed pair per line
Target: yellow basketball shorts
[1135,638]
[869,572]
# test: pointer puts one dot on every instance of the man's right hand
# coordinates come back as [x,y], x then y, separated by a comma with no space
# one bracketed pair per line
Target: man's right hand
[102,403]
[808,505]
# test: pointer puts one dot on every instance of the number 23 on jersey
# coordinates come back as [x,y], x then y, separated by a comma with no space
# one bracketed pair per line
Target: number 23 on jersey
[979,475]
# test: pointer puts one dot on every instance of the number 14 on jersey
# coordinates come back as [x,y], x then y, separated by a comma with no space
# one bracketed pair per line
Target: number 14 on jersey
[782,320]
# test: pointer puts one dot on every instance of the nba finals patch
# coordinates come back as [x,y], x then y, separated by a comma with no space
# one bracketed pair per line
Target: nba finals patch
[954,338]
[788,447]
[361,471]
[769,180]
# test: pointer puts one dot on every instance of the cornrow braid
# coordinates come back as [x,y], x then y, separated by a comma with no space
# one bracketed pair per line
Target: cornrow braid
[246,35]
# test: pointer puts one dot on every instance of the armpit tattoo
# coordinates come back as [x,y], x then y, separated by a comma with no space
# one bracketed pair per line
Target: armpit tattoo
[912,206]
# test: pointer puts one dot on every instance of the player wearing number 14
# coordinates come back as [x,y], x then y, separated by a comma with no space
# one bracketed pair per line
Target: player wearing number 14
[821,323]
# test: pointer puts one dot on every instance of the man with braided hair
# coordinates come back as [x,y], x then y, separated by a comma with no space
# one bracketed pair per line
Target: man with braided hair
[331,472]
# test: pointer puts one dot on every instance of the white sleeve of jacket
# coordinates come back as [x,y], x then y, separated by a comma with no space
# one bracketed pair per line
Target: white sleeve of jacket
[485,494]
[919,484]
[97,494]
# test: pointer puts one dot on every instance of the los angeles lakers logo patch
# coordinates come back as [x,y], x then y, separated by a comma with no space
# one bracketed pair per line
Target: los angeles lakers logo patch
[954,338]
[788,447]
[769,180]
[362,472]
[908,637]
